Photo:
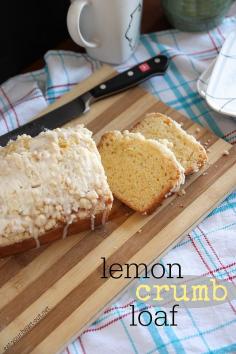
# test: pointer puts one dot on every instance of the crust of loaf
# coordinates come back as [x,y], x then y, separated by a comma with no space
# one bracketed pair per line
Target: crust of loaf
[202,159]
[52,235]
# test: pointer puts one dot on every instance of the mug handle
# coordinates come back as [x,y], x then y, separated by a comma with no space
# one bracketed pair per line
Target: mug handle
[73,23]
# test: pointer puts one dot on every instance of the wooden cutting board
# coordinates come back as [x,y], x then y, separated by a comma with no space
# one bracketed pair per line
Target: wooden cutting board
[49,295]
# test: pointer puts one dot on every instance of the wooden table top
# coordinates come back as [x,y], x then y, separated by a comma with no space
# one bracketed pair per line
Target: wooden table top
[153,20]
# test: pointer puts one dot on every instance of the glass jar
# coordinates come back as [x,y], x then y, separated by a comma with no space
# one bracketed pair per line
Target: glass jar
[196,15]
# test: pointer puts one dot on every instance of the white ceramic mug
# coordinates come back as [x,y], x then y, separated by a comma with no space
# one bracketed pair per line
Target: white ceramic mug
[109,30]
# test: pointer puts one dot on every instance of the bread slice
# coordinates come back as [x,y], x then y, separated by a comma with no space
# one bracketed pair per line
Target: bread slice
[51,186]
[141,172]
[188,151]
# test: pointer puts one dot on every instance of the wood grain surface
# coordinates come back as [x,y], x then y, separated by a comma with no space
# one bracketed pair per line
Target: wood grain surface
[48,296]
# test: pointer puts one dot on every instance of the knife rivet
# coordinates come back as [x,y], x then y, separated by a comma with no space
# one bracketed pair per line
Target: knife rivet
[130,73]
[103,87]
[157,60]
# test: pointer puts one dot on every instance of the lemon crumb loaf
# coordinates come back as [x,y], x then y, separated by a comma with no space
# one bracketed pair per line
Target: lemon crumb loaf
[50,186]
[188,151]
[141,172]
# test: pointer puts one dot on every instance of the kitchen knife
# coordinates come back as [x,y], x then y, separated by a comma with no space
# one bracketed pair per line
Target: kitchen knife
[73,109]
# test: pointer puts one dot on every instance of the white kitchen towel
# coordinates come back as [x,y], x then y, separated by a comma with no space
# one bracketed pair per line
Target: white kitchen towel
[209,249]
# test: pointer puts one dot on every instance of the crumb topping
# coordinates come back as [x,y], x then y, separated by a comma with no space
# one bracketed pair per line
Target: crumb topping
[49,180]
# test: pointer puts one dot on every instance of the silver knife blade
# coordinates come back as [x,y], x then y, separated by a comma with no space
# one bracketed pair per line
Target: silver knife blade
[73,109]
[55,118]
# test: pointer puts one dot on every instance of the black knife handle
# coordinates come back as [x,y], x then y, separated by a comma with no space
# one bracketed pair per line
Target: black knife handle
[132,77]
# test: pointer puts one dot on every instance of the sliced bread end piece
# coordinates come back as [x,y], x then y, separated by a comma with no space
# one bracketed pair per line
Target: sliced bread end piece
[188,151]
[141,172]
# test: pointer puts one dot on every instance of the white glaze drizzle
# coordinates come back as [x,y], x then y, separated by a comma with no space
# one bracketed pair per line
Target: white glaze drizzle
[65,231]
[92,222]
[104,216]
[37,242]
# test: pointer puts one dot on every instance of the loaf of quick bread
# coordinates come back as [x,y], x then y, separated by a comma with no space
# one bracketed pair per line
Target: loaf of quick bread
[141,172]
[51,186]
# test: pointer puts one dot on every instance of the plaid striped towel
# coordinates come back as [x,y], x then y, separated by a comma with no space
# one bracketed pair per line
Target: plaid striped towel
[210,248]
